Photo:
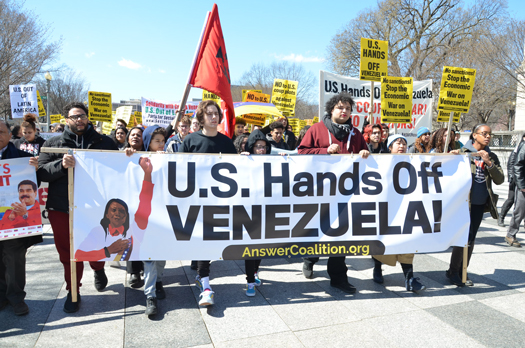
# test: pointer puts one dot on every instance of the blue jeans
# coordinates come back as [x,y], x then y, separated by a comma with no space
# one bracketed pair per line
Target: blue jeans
[153,271]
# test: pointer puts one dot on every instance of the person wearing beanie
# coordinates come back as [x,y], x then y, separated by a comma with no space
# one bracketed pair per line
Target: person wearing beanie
[422,141]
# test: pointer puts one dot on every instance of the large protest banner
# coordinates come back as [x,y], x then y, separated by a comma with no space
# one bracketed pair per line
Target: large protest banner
[183,206]
[23,100]
[19,204]
[332,84]
[160,112]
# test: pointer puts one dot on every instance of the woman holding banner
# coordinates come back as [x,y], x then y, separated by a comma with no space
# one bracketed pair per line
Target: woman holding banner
[398,144]
[30,142]
[485,168]
[438,140]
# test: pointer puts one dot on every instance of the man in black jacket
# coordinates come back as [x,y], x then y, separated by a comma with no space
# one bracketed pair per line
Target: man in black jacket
[13,251]
[78,134]
[518,174]
[512,184]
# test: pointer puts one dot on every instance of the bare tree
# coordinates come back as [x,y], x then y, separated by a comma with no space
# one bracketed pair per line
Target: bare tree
[67,86]
[24,48]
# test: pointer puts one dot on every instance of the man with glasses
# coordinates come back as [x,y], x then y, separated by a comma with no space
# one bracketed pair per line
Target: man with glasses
[375,145]
[334,134]
[173,144]
[78,134]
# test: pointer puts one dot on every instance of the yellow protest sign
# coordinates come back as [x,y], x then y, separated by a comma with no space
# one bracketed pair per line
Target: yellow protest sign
[456,89]
[284,94]
[444,116]
[256,119]
[41,109]
[209,96]
[396,99]
[55,118]
[138,117]
[316,119]
[107,127]
[252,96]
[302,124]
[245,91]
[374,60]
[100,106]
[309,122]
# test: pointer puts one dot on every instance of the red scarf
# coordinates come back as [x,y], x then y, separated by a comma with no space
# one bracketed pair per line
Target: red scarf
[115,231]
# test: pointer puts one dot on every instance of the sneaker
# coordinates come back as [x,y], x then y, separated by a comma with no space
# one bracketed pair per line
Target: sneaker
[159,291]
[413,284]
[469,282]
[199,283]
[101,280]
[250,290]
[512,241]
[501,222]
[151,306]
[21,308]
[207,298]
[308,270]
[378,275]
[70,306]
[454,278]
[258,282]
[135,281]
[344,286]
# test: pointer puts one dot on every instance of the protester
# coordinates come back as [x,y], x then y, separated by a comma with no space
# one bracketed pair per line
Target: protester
[120,137]
[398,144]
[53,169]
[240,123]
[13,251]
[457,144]
[240,143]
[518,172]
[288,135]
[59,128]
[302,133]
[257,144]
[275,137]
[16,132]
[438,140]
[485,168]
[372,136]
[207,140]
[195,126]
[334,134]
[30,142]
[386,134]
[512,183]
[422,143]
[134,139]
[173,144]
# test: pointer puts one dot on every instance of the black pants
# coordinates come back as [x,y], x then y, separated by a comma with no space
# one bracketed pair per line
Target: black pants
[134,267]
[13,270]
[252,267]
[203,268]
[509,202]
[456,259]
[336,267]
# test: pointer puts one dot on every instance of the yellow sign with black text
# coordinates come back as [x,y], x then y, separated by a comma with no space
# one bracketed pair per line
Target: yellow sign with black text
[99,106]
[245,91]
[396,99]
[444,116]
[256,119]
[457,85]
[209,96]
[374,60]
[284,94]
[55,118]
[41,109]
[252,96]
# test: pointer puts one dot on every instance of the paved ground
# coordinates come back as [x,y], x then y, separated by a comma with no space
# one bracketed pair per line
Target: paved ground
[288,310]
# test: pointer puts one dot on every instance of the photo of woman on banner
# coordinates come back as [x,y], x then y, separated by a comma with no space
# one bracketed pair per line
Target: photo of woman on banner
[114,239]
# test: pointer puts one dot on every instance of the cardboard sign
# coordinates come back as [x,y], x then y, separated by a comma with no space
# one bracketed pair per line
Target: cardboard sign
[55,118]
[252,96]
[138,117]
[374,60]
[41,109]
[23,100]
[100,106]
[256,119]
[245,91]
[284,94]
[456,89]
[210,96]
[396,99]
[124,113]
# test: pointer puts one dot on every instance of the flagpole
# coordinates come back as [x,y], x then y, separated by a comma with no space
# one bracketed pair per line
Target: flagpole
[188,85]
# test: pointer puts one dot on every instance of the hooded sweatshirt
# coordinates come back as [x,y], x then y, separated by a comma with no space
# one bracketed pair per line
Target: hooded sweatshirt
[32,147]
[146,136]
[252,139]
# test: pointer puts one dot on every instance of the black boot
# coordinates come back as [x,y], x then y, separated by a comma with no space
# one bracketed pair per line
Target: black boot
[378,272]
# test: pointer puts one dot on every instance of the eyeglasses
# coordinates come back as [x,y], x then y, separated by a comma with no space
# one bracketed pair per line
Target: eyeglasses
[485,134]
[77,117]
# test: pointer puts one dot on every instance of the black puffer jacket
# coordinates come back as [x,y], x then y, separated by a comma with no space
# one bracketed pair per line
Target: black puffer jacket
[50,167]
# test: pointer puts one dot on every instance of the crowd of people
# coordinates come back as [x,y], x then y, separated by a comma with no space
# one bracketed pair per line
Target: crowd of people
[334,134]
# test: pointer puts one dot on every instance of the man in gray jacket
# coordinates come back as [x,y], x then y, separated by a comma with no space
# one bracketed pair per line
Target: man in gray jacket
[519,202]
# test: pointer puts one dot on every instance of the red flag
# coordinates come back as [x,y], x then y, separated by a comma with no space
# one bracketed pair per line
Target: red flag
[211,71]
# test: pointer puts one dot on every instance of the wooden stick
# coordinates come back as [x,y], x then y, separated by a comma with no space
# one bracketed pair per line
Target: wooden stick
[445,148]
[371,109]
[465,261]
[70,178]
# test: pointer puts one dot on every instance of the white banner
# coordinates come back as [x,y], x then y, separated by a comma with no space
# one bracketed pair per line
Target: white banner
[206,207]
[160,112]
[20,214]
[23,100]
[332,84]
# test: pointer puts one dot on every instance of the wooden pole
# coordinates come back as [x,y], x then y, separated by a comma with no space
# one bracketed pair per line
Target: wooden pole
[70,178]
[465,261]
[445,148]
[371,109]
